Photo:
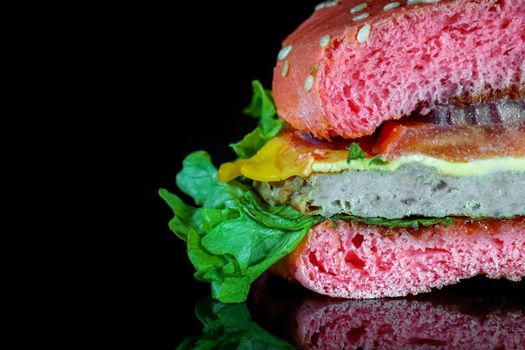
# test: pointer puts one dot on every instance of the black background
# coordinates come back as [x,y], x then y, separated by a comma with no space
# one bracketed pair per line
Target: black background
[192,70]
[108,101]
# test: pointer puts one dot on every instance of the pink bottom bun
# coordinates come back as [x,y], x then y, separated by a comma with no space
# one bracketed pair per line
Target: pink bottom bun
[360,261]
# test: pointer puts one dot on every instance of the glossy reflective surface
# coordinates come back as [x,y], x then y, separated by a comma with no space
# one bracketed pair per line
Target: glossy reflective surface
[476,314]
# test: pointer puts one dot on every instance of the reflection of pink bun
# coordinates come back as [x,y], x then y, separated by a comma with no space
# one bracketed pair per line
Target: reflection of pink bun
[344,72]
[361,261]
[401,324]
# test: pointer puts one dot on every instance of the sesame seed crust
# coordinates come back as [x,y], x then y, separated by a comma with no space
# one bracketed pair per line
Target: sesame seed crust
[304,110]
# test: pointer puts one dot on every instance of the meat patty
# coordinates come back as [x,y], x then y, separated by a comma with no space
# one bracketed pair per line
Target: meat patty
[413,189]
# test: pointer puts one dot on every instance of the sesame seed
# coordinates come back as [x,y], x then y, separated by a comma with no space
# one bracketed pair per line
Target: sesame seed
[430,1]
[358,7]
[325,40]
[286,68]
[364,33]
[391,6]
[309,83]
[326,4]
[360,17]
[413,2]
[285,51]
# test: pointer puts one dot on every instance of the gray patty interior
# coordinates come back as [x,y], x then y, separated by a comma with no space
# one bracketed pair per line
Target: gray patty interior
[413,189]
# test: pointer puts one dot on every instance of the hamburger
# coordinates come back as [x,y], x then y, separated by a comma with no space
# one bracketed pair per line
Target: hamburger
[389,156]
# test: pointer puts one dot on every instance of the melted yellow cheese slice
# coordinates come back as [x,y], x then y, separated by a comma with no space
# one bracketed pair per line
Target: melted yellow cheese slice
[276,161]
[281,159]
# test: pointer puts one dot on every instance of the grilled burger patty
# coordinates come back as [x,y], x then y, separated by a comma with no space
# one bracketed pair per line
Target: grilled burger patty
[413,189]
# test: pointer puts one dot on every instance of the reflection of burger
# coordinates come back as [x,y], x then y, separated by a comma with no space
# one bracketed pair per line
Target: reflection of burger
[455,318]
[402,167]
[408,324]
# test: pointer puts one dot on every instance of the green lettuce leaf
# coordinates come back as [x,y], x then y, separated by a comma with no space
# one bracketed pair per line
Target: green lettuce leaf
[230,327]
[232,236]
[250,144]
[262,107]
[378,160]
[415,223]
[185,218]
[355,152]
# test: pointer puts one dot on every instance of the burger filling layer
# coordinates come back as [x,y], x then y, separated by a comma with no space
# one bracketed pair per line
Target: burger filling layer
[412,190]
[460,161]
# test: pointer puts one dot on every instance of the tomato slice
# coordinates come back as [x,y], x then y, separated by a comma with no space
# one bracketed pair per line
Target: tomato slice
[453,143]
[293,153]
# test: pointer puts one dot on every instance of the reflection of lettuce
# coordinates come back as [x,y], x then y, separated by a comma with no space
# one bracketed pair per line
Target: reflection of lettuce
[230,327]
[233,237]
